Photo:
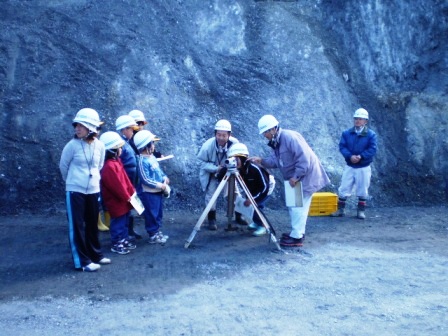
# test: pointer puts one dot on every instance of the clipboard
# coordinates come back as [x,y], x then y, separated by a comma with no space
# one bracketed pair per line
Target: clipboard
[294,196]
[137,204]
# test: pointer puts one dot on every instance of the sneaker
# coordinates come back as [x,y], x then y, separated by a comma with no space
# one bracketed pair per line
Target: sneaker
[252,226]
[157,239]
[361,214]
[260,231]
[129,245]
[92,267]
[120,249]
[104,261]
[292,242]
[163,235]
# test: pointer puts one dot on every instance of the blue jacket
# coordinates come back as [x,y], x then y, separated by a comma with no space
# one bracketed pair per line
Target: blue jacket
[129,161]
[363,144]
[151,176]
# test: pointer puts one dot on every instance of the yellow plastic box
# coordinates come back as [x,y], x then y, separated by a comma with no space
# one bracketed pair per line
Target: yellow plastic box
[323,204]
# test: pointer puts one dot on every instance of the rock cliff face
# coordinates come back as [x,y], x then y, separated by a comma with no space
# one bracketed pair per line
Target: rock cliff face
[187,64]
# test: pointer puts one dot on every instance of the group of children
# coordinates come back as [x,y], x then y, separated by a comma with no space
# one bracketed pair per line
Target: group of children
[131,172]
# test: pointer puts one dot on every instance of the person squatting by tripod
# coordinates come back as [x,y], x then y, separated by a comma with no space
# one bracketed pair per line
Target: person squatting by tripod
[258,182]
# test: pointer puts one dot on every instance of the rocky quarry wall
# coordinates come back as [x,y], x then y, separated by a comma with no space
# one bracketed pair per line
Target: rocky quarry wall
[188,63]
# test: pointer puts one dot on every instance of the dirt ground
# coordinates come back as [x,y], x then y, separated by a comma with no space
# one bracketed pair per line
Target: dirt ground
[386,275]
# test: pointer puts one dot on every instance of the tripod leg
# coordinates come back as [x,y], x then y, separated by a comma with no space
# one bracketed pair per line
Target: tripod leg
[259,213]
[230,203]
[205,212]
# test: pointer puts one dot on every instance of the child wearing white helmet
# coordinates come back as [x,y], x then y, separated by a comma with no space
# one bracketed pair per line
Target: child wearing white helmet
[116,192]
[126,126]
[153,186]
[257,179]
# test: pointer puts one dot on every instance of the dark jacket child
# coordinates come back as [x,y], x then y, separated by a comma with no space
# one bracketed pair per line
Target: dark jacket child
[116,191]
[257,181]
[153,186]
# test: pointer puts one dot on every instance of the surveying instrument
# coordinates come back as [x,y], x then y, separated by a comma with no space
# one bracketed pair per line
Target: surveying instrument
[232,175]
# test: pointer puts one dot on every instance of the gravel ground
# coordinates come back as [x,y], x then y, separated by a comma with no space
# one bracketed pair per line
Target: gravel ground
[385,275]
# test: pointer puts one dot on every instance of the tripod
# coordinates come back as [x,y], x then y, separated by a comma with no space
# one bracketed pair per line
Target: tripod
[230,177]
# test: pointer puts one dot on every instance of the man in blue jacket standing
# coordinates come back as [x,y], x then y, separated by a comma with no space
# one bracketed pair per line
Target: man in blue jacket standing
[358,146]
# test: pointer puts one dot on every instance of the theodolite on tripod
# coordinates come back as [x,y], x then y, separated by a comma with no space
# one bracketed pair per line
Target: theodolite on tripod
[231,177]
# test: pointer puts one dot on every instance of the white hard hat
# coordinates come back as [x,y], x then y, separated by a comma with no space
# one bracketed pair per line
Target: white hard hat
[142,138]
[89,118]
[112,140]
[223,125]
[266,122]
[361,113]
[238,149]
[138,116]
[124,121]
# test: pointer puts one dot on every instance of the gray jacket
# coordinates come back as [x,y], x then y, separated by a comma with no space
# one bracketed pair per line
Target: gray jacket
[211,158]
[295,158]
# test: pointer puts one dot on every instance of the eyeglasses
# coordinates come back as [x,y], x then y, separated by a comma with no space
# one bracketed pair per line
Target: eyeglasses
[140,123]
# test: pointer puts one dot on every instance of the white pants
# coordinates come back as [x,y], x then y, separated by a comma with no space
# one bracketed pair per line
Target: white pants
[355,176]
[299,216]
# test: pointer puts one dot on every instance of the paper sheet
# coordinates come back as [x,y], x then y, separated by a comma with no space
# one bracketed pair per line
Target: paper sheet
[293,196]
[165,157]
[137,204]
[247,212]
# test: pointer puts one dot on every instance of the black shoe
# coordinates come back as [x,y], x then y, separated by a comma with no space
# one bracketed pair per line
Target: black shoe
[292,242]
[239,219]
[212,225]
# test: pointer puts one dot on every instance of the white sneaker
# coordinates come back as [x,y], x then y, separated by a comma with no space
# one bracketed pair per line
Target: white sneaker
[160,234]
[104,261]
[92,267]
[252,226]
[260,231]
[157,239]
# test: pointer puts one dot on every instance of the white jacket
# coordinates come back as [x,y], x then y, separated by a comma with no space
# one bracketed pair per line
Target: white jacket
[80,165]
[211,157]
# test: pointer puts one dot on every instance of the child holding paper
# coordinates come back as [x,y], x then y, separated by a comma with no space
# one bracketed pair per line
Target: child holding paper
[116,190]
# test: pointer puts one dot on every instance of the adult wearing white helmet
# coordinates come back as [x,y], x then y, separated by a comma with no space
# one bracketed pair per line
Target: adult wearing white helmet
[116,191]
[257,180]
[298,163]
[212,157]
[358,146]
[126,125]
[153,186]
[81,161]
